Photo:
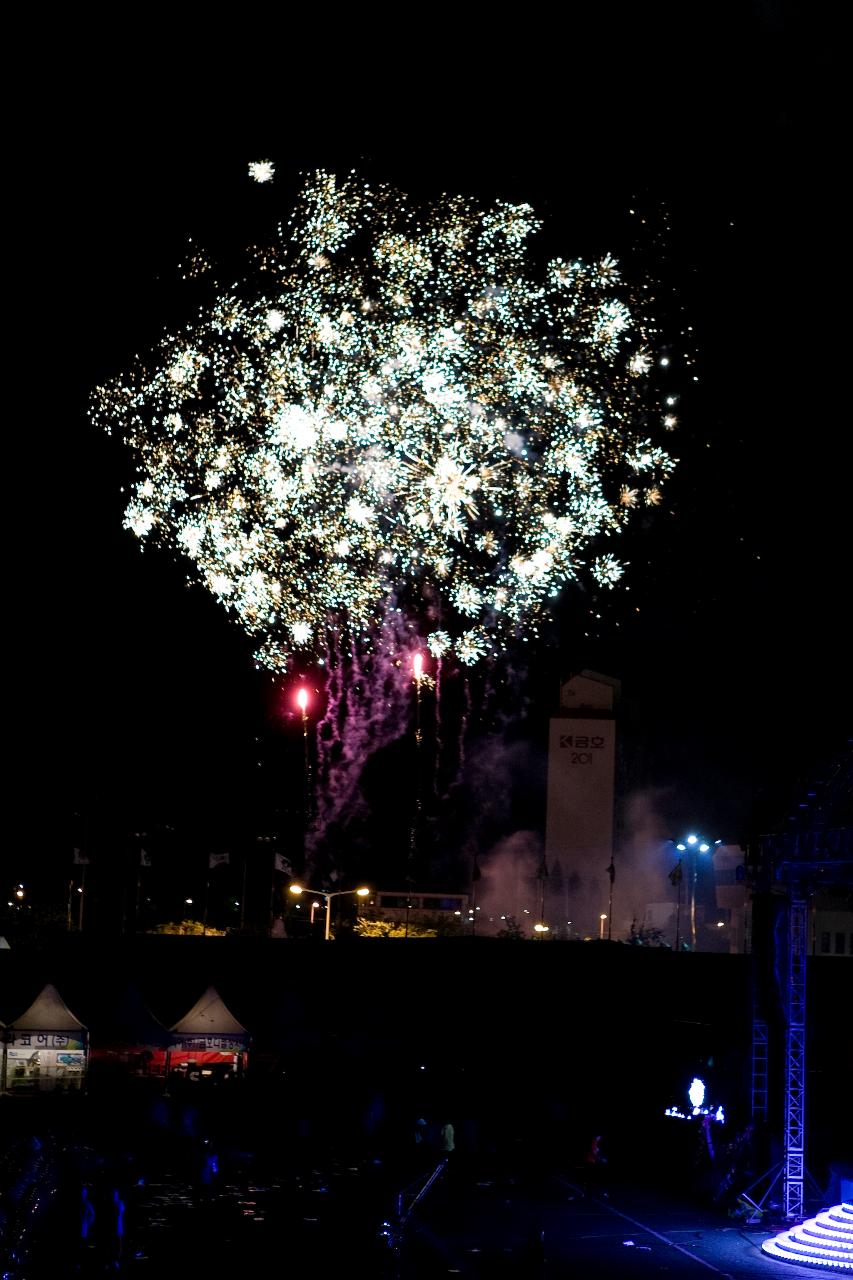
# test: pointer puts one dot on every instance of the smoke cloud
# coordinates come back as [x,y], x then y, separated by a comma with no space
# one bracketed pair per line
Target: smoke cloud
[509,889]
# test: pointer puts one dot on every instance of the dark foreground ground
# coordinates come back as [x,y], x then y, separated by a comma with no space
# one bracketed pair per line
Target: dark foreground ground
[530,1051]
[237,1180]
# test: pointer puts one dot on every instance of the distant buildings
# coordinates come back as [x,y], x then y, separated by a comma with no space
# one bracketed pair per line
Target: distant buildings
[579,842]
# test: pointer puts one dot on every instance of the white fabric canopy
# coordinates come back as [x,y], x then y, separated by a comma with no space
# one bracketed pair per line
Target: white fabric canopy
[48,1012]
[209,1016]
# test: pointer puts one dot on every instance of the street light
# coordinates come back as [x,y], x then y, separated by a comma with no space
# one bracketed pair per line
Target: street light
[691,845]
[601,920]
[337,893]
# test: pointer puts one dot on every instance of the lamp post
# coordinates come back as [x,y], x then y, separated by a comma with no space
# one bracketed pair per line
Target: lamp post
[691,845]
[321,893]
[601,920]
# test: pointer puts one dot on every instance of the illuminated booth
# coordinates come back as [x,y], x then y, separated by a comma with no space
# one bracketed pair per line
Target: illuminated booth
[208,1042]
[46,1048]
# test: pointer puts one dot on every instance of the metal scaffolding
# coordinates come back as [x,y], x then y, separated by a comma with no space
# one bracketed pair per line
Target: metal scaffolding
[816,856]
[795,1057]
[760,1056]
[789,1176]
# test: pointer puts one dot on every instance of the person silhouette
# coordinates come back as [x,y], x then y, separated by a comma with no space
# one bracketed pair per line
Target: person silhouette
[87,1223]
[596,1165]
[87,1215]
[207,1171]
[117,1212]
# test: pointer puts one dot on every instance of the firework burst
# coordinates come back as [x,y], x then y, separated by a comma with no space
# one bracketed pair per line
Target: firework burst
[393,405]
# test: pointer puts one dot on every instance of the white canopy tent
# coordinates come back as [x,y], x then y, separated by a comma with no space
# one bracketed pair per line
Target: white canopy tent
[208,1036]
[47,1047]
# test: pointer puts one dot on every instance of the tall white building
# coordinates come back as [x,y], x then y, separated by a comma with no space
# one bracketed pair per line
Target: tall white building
[581,781]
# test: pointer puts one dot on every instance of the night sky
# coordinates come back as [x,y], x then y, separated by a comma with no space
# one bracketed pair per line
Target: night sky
[135,702]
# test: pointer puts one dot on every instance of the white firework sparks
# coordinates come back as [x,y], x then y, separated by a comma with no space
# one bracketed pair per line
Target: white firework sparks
[262,170]
[400,410]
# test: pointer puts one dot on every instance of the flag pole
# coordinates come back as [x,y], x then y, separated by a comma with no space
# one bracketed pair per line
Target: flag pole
[475,876]
[611,871]
[82,898]
[542,876]
[124,894]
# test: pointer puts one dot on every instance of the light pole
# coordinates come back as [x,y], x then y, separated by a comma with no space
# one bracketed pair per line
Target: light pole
[321,893]
[692,845]
[601,920]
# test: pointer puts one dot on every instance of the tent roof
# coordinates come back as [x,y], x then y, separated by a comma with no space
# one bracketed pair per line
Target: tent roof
[209,1016]
[48,1012]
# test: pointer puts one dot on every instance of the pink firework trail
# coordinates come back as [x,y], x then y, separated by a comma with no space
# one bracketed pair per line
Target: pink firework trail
[369,706]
